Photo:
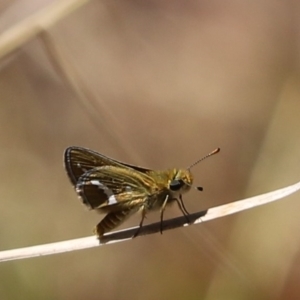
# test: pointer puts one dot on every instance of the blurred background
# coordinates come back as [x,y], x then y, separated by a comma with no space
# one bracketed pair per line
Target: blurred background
[167,82]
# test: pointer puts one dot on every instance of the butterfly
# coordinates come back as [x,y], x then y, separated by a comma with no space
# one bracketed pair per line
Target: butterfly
[119,190]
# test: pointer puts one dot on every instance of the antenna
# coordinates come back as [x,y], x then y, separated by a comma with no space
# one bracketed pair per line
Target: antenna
[206,156]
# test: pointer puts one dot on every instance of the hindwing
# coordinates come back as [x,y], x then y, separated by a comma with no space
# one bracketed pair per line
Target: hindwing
[113,188]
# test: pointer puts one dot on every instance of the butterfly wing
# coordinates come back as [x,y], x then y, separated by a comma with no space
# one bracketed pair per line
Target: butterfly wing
[113,188]
[80,160]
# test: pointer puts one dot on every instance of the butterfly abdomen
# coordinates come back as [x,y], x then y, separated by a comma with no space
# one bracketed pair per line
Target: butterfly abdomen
[112,220]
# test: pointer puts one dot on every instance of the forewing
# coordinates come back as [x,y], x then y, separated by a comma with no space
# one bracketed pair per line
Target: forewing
[113,188]
[80,160]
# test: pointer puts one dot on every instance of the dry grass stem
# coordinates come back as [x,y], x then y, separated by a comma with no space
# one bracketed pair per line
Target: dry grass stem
[124,235]
[25,30]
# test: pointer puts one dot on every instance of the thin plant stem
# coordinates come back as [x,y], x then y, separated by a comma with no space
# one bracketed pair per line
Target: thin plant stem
[127,234]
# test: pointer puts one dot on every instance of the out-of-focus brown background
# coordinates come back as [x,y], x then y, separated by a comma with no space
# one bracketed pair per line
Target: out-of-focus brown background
[173,80]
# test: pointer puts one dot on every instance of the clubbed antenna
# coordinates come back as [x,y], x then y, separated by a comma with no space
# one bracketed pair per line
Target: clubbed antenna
[206,156]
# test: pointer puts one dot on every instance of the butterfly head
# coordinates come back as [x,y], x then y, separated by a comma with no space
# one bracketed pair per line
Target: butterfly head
[182,179]
[181,182]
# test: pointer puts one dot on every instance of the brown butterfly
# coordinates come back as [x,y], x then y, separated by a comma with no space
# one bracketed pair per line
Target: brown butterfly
[119,190]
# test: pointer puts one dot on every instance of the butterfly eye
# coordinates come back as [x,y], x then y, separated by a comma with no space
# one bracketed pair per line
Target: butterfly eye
[176,185]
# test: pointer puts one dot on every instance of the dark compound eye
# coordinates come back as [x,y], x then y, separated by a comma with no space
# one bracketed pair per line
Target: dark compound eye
[176,185]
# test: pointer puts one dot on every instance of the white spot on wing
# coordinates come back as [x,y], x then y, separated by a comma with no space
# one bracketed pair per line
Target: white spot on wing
[79,166]
[112,200]
[128,188]
[97,182]
[111,197]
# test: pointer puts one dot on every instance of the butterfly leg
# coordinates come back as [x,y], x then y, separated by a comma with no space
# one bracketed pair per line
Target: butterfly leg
[162,213]
[182,208]
[143,210]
